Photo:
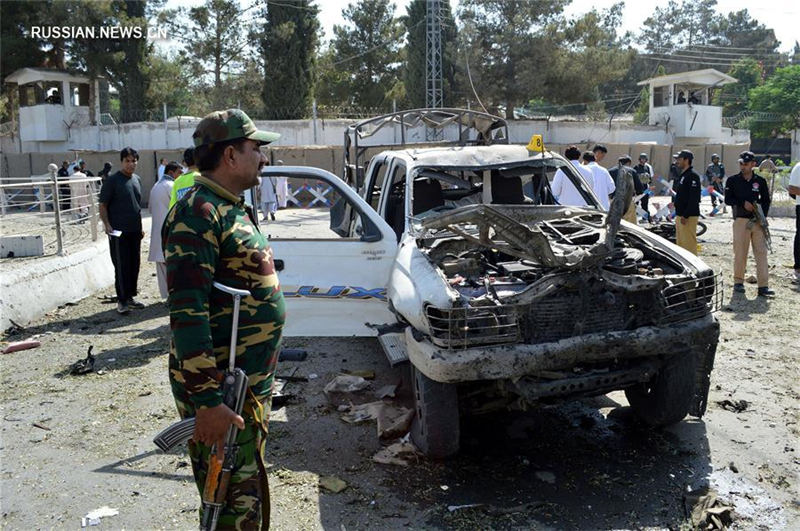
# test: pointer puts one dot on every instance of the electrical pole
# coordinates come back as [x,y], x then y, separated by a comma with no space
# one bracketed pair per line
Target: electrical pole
[433,62]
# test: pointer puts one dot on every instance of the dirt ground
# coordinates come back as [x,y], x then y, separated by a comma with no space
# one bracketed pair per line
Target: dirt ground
[72,444]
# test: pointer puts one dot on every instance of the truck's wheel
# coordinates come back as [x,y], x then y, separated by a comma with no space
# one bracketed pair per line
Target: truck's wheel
[667,397]
[435,429]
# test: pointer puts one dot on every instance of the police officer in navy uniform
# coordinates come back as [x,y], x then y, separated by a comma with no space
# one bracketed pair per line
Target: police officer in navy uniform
[686,202]
[743,192]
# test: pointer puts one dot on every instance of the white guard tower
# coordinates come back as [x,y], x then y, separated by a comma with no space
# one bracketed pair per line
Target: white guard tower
[682,103]
[50,103]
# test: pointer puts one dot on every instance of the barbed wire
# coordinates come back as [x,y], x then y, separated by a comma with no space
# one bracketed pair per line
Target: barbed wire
[746,117]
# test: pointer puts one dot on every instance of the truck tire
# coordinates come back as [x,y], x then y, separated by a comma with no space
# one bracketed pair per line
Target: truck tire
[667,397]
[435,428]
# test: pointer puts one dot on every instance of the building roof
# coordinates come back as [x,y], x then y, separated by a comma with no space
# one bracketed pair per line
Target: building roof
[31,75]
[707,76]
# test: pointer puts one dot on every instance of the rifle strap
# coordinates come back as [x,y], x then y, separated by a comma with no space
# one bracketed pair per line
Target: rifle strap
[257,411]
[264,484]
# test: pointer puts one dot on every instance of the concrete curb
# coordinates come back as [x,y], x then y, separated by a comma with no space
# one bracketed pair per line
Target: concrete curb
[44,285]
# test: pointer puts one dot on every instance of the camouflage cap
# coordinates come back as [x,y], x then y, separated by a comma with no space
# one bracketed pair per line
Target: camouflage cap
[221,126]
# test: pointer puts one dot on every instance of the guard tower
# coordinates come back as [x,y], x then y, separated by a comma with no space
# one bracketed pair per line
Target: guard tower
[50,103]
[682,102]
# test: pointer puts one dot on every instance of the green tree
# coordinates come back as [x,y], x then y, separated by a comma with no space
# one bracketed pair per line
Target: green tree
[691,36]
[779,95]
[170,83]
[333,84]
[416,53]
[246,89]
[289,48]
[677,26]
[19,49]
[122,61]
[215,41]
[365,54]
[738,29]
[734,97]
[642,113]
[512,46]
[745,35]
[592,56]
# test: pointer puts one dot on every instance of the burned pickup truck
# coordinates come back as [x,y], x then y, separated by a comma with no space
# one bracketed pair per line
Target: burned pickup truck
[472,271]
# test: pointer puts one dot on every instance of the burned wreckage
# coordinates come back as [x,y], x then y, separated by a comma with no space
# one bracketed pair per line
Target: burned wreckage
[501,292]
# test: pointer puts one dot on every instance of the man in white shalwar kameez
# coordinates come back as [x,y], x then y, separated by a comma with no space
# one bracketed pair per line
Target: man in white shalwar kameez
[269,197]
[159,207]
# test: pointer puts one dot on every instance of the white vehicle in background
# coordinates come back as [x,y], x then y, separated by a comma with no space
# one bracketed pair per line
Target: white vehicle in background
[464,264]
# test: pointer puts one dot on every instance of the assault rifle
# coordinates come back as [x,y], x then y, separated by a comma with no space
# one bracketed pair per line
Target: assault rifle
[761,219]
[234,391]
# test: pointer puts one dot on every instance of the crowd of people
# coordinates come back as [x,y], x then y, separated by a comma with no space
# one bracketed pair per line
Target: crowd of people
[746,192]
[74,189]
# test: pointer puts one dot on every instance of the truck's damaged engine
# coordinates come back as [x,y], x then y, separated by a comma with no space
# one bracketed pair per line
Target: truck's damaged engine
[533,277]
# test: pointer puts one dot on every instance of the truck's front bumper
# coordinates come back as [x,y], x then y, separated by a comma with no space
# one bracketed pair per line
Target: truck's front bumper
[516,360]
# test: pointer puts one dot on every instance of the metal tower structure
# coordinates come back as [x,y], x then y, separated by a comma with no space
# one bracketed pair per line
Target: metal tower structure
[433,62]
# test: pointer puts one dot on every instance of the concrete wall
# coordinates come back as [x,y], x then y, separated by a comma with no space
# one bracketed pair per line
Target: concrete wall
[177,135]
[331,158]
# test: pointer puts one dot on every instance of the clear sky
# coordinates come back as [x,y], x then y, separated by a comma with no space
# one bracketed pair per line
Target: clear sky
[783,16]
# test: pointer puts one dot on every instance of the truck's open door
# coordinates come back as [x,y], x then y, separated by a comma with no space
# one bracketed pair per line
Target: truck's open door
[334,281]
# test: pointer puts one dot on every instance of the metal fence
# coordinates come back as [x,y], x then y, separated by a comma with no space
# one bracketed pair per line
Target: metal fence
[61,212]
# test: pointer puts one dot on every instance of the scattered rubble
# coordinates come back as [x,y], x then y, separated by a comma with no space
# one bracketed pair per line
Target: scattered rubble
[366,374]
[400,453]
[93,518]
[21,345]
[737,406]
[85,365]
[345,383]
[393,421]
[642,487]
[707,511]
[387,391]
[332,484]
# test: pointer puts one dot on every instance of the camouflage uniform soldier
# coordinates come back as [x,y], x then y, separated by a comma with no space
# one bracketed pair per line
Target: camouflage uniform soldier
[210,236]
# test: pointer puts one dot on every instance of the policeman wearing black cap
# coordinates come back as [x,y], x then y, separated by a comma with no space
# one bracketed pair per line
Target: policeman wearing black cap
[686,202]
[742,192]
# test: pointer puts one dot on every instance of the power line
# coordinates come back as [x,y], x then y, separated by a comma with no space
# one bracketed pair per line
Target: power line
[697,60]
[469,76]
[728,47]
[704,52]
[718,60]
[293,6]
[365,52]
[560,106]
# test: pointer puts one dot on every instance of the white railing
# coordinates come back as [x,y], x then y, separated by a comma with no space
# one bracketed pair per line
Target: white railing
[62,210]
